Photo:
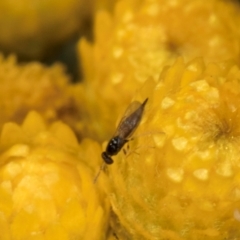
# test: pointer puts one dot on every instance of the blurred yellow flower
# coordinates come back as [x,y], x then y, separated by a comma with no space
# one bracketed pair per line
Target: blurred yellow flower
[33,29]
[33,86]
[180,177]
[46,187]
[140,39]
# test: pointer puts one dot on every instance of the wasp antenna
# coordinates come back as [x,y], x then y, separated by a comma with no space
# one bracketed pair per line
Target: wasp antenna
[99,171]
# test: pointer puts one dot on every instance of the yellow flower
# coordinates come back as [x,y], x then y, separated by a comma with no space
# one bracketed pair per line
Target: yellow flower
[32,86]
[140,39]
[46,187]
[34,29]
[180,177]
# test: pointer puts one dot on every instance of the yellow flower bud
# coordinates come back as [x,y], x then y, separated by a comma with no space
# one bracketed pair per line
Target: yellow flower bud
[179,178]
[46,187]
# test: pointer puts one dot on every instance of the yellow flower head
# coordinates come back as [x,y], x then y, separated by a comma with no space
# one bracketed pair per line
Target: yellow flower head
[142,37]
[46,187]
[179,178]
[34,29]
[32,86]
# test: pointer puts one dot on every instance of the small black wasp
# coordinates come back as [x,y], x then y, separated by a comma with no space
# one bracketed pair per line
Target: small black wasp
[125,129]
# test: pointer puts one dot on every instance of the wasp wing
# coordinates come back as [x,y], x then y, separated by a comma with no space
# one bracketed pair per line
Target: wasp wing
[130,119]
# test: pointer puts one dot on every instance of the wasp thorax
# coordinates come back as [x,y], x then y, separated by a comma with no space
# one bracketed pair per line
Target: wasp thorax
[115,145]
